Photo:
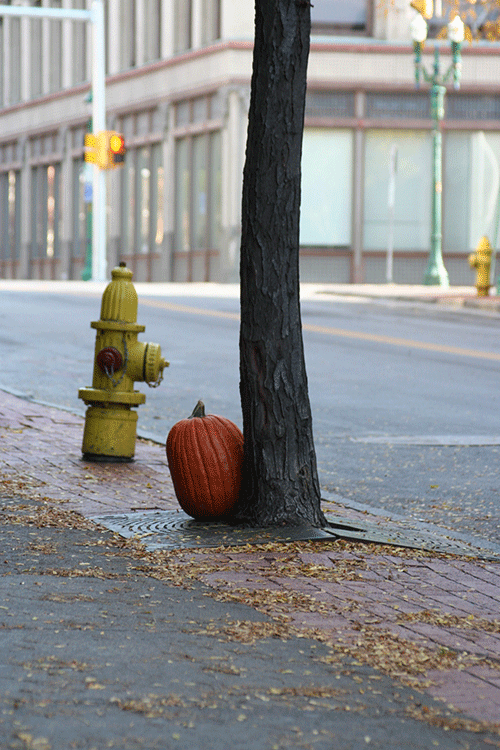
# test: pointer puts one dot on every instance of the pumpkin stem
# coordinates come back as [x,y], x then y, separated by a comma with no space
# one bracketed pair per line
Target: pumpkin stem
[198,411]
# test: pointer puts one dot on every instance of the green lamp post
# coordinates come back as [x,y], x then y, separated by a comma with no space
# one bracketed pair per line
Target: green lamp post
[436,274]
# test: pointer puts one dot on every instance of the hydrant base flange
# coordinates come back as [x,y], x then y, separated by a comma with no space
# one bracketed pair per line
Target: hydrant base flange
[109,434]
[97,395]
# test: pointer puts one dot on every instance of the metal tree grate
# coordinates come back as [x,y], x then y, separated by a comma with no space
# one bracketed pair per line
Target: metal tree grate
[170,530]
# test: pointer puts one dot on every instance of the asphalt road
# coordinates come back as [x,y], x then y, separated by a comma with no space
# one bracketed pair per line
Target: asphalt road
[404,396]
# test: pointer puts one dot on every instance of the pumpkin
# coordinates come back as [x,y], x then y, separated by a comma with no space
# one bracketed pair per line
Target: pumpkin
[205,456]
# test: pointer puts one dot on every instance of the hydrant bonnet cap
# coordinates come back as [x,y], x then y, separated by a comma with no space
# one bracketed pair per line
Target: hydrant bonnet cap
[121,272]
[119,301]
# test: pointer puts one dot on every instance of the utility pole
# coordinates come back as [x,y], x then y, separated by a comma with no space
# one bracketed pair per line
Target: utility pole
[94,16]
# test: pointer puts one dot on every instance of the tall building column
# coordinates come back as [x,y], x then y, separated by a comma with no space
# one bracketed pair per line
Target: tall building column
[5,60]
[67,48]
[26,37]
[112,38]
[140,31]
[45,61]
[167,21]
[197,23]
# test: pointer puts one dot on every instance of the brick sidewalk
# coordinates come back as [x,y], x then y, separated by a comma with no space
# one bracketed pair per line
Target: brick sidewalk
[42,445]
[428,620]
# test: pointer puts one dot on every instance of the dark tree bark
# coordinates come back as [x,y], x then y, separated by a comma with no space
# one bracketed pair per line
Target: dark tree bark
[280,481]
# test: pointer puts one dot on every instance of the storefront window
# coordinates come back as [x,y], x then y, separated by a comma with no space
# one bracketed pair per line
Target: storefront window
[45,212]
[412,203]
[160,197]
[471,179]
[182,194]
[10,219]
[199,192]
[325,215]
[215,191]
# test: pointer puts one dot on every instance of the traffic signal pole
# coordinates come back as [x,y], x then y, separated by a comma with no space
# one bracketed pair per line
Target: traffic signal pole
[99,270]
[94,16]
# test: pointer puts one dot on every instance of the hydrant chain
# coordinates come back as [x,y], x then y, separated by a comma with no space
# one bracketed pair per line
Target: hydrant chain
[155,385]
[110,373]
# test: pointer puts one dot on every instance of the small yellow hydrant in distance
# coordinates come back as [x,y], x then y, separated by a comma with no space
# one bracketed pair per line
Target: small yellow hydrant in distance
[120,360]
[481,261]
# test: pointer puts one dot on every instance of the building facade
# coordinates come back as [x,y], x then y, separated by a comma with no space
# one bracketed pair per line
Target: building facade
[178,87]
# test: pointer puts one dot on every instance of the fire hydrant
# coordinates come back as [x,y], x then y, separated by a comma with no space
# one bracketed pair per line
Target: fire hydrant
[481,261]
[120,361]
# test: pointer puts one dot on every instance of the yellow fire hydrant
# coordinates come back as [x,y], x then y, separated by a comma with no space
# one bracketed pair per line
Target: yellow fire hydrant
[481,261]
[120,360]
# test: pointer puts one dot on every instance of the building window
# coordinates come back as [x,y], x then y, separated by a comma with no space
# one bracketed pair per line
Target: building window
[10,220]
[79,51]
[211,21]
[340,17]
[36,57]
[197,235]
[127,34]
[15,56]
[152,30]
[55,56]
[329,104]
[142,230]
[466,107]
[197,111]
[182,31]
[46,216]
[398,106]
[182,193]
[411,217]
[325,214]
[471,181]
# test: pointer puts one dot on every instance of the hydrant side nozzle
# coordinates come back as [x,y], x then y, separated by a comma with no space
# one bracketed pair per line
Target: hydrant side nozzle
[109,359]
[153,364]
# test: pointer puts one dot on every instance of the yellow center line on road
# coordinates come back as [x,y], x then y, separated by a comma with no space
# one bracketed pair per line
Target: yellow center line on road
[338,332]
[187,309]
[407,343]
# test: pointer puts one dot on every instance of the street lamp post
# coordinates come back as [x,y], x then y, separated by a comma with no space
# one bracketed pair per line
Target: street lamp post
[436,274]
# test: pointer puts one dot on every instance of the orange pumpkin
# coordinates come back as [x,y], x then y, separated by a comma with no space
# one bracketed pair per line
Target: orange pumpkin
[205,456]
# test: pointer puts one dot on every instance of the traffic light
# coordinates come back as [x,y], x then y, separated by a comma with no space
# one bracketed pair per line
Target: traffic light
[116,148]
[90,148]
[106,149]
[102,149]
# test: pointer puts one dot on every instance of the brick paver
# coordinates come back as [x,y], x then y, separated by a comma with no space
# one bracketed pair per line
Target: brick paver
[361,599]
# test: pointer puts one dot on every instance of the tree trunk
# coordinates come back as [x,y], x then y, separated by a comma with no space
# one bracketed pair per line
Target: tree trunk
[280,481]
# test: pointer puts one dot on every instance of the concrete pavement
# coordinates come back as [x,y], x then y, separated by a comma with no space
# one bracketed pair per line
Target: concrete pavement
[315,633]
